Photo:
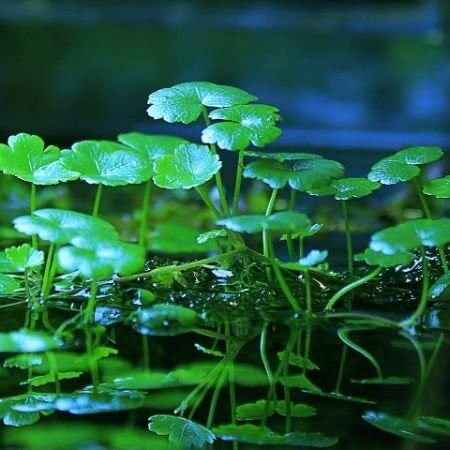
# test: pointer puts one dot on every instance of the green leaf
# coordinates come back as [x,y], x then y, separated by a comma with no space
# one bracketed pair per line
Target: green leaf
[211,235]
[298,361]
[25,257]
[164,320]
[410,235]
[50,378]
[25,409]
[154,146]
[8,285]
[27,341]
[310,231]
[259,410]
[276,174]
[6,266]
[281,156]
[99,260]
[402,166]
[190,166]
[107,162]
[313,258]
[439,188]
[347,188]
[25,158]
[253,434]
[435,425]
[24,361]
[297,409]
[61,226]
[245,124]
[299,381]
[185,102]
[373,258]
[250,223]
[287,221]
[182,432]
[313,173]
[396,425]
[441,287]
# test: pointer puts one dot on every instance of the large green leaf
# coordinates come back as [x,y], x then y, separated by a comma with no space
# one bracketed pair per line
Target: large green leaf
[272,172]
[107,162]
[25,257]
[410,235]
[99,260]
[153,145]
[402,166]
[373,258]
[244,124]
[8,285]
[189,166]
[26,158]
[182,433]
[347,188]
[26,409]
[164,320]
[439,188]
[27,341]
[185,102]
[61,226]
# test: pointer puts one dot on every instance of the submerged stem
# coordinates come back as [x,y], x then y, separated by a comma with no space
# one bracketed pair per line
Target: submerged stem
[98,199]
[266,233]
[350,287]
[48,264]
[284,287]
[143,229]
[348,238]
[263,352]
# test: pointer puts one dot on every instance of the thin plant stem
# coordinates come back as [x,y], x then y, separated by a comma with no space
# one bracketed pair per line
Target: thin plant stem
[284,287]
[424,296]
[289,241]
[348,238]
[48,264]
[90,308]
[266,233]
[98,199]
[205,197]
[218,176]
[53,369]
[263,352]
[301,250]
[237,183]
[52,273]
[231,375]
[33,203]
[340,374]
[145,352]
[350,287]
[143,228]
[308,291]
[93,366]
[215,396]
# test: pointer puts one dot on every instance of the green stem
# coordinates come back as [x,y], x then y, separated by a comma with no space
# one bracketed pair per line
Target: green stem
[424,297]
[90,308]
[350,287]
[266,233]
[48,264]
[238,182]
[340,375]
[93,366]
[263,352]
[205,197]
[143,229]
[98,199]
[33,203]
[348,238]
[52,272]
[308,292]
[53,369]
[289,241]
[218,176]
[231,375]
[301,250]
[284,287]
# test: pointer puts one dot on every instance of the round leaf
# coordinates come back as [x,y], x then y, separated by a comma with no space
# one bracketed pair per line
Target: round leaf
[62,227]
[274,173]
[107,163]
[287,221]
[245,124]
[25,158]
[8,285]
[190,166]
[185,102]
[347,188]
[27,341]
[373,258]
[313,173]
[439,188]
[25,257]
[250,223]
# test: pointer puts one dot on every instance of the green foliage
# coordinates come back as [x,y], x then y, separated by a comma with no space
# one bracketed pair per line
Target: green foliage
[26,158]
[281,156]
[298,361]
[8,285]
[182,433]
[244,124]
[23,410]
[373,258]
[185,102]
[42,380]
[189,166]
[211,235]
[99,260]
[313,258]
[27,341]
[260,409]
[25,257]
[107,163]
[402,166]
[410,235]
[61,226]
[439,188]
[300,382]
[164,320]
[441,287]
[347,188]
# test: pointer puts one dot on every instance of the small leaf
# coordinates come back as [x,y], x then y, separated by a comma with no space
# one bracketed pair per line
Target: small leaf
[50,378]
[314,173]
[396,425]
[439,188]
[299,381]
[25,257]
[61,226]
[402,166]
[441,287]
[27,341]
[190,166]
[182,432]
[24,361]
[211,235]
[347,188]
[153,146]
[107,163]
[245,124]
[6,266]
[26,158]
[185,102]
[164,320]
[8,285]
[281,156]
[298,361]
[276,174]
[310,231]
[373,258]
[99,260]
[250,223]
[287,221]
[313,258]
[259,410]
